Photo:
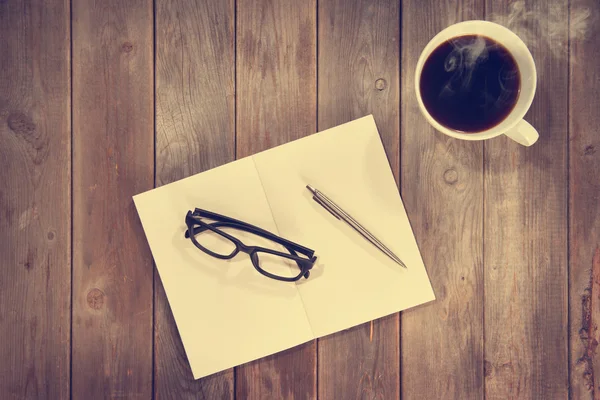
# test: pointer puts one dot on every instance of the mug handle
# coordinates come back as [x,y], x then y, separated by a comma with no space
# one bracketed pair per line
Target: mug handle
[523,133]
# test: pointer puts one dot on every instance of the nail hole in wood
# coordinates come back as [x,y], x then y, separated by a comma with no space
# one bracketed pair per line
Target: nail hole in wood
[380,84]
[127,47]
[450,176]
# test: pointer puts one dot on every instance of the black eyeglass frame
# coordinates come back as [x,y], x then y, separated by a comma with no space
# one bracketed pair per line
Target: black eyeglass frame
[195,225]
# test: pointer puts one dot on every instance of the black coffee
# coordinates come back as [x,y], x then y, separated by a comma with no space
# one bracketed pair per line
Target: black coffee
[470,83]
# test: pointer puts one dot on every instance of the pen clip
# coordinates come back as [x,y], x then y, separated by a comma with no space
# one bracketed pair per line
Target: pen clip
[325,206]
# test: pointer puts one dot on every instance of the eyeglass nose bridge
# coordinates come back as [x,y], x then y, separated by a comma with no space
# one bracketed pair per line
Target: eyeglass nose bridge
[246,249]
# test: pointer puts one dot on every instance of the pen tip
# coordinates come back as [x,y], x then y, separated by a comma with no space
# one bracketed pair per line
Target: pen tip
[312,189]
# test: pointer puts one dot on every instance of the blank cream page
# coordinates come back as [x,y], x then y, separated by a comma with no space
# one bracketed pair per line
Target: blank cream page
[226,312]
[353,282]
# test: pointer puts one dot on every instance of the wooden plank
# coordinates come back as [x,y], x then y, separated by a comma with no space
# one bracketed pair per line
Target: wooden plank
[195,131]
[359,75]
[276,102]
[442,342]
[526,226]
[584,200]
[35,204]
[113,159]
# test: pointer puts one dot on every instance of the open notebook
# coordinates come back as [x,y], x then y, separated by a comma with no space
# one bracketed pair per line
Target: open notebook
[226,312]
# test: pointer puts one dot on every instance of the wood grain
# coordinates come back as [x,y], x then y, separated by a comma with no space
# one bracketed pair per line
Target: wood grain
[195,131]
[359,75]
[113,159]
[526,226]
[35,204]
[584,200]
[276,102]
[442,342]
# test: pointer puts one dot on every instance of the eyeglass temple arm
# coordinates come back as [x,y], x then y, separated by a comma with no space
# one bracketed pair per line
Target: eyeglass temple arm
[254,229]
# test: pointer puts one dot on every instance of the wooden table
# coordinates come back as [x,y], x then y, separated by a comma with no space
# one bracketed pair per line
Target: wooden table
[101,100]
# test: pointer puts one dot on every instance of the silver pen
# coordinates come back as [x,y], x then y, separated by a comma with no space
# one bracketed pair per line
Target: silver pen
[337,212]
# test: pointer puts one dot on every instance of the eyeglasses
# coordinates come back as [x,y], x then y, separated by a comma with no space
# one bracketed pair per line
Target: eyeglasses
[217,239]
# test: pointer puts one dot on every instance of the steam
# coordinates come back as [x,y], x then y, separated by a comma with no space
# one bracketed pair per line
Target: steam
[462,61]
[528,24]
[466,54]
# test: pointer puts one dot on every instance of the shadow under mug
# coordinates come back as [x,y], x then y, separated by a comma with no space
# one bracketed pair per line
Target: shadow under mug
[513,125]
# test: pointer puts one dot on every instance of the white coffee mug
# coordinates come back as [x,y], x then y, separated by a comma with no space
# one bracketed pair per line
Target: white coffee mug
[513,125]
